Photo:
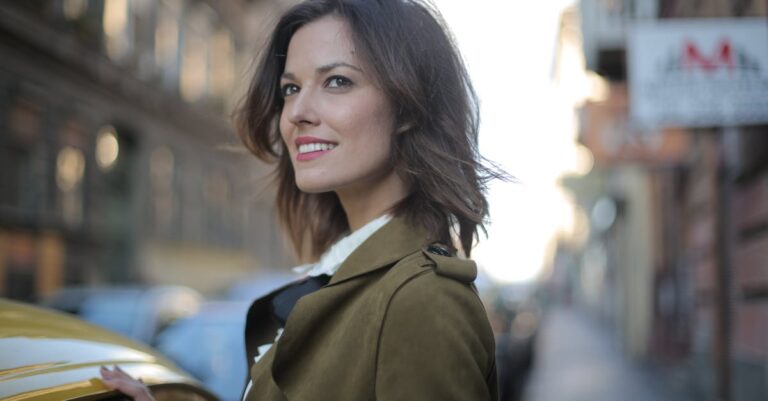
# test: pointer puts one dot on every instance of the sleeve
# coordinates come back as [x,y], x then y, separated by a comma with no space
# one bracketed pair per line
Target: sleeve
[435,344]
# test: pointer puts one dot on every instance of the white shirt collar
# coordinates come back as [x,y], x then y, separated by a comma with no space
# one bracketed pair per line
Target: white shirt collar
[336,255]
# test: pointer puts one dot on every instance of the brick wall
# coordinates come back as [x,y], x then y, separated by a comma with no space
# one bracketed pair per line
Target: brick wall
[749,330]
[700,243]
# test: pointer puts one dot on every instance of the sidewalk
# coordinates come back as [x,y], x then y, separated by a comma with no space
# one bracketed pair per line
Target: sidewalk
[578,360]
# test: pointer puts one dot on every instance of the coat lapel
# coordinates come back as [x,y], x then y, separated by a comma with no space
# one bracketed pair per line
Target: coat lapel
[313,312]
[386,246]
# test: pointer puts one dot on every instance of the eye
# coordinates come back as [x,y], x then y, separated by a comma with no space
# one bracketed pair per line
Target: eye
[338,81]
[289,89]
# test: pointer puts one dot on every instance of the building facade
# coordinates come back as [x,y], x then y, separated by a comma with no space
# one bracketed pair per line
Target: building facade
[683,259]
[118,157]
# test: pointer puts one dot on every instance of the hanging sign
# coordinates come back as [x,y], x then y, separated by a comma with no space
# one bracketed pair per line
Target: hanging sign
[699,73]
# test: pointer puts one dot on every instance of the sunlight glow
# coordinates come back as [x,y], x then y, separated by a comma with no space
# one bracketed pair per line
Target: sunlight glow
[528,127]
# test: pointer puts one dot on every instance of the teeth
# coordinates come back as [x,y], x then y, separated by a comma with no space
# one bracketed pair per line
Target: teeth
[315,147]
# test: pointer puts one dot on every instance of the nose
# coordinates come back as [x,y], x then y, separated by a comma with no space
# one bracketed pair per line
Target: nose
[300,109]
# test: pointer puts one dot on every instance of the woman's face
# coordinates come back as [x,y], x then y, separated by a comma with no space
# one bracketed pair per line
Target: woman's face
[336,123]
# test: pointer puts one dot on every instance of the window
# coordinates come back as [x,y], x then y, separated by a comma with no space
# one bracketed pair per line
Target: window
[167,38]
[107,148]
[70,162]
[162,168]
[195,64]
[118,29]
[22,159]
[222,65]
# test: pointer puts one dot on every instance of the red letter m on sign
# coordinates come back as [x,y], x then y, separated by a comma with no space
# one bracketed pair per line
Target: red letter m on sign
[723,57]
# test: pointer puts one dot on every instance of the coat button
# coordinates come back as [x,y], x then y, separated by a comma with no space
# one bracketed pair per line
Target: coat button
[439,249]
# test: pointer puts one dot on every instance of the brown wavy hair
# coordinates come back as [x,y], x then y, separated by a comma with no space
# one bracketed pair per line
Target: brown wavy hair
[415,62]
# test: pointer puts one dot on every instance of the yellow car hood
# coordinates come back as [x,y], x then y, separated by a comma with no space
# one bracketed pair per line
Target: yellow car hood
[47,355]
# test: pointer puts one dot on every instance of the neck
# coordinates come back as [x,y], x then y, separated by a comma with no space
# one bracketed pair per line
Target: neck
[363,204]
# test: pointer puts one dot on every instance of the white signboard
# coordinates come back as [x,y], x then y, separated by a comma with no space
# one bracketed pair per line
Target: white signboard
[699,73]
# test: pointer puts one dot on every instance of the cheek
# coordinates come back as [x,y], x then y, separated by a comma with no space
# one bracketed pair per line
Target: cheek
[374,146]
[373,120]
[284,126]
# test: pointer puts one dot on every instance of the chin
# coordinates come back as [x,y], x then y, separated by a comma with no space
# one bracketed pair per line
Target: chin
[312,187]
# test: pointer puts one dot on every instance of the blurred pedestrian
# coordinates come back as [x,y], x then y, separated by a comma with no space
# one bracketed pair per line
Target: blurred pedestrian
[367,110]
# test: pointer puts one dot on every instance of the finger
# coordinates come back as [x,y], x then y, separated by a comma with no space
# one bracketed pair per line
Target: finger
[118,380]
[121,373]
[105,372]
[128,387]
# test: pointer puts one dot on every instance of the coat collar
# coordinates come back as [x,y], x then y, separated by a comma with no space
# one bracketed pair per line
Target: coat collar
[389,244]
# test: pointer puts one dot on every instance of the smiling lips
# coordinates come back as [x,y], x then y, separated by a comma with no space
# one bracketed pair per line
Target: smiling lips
[311,148]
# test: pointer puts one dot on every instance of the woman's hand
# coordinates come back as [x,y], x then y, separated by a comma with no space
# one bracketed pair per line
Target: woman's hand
[117,379]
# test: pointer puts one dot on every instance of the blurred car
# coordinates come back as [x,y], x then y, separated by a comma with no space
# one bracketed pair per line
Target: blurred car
[215,333]
[258,285]
[48,355]
[138,312]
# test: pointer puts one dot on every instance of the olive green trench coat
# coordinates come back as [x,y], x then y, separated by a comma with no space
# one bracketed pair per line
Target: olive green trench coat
[396,322]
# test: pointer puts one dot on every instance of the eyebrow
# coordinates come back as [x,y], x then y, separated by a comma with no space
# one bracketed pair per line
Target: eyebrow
[324,69]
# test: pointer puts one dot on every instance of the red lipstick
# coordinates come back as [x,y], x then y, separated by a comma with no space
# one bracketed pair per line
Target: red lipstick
[310,148]
[305,139]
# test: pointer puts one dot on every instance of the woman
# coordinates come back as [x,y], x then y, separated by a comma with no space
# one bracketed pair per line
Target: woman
[367,110]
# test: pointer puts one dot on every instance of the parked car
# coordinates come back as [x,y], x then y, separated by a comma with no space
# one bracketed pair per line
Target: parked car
[48,355]
[259,284]
[215,333]
[139,312]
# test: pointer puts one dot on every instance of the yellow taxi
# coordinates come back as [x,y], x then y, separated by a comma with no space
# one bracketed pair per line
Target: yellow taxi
[47,355]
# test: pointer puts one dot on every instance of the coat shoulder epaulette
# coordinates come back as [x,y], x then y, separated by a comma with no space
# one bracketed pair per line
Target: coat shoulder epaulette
[448,265]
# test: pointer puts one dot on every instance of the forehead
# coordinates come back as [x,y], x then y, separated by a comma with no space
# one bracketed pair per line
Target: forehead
[320,42]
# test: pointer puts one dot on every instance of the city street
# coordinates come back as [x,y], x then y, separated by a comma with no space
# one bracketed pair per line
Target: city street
[604,164]
[578,359]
